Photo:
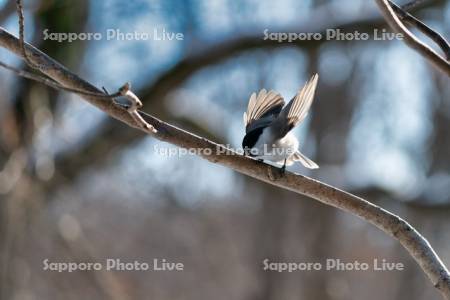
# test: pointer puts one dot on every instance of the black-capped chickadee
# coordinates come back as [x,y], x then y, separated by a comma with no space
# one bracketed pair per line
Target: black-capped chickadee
[268,126]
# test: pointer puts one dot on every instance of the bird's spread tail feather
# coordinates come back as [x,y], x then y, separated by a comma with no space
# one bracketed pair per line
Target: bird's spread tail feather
[304,160]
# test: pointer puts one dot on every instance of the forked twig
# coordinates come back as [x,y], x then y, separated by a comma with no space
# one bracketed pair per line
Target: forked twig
[393,19]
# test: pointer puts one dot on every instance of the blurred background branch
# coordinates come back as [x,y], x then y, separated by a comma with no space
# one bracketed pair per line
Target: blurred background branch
[8,8]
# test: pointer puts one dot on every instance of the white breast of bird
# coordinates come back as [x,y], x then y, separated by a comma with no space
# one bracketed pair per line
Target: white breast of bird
[276,150]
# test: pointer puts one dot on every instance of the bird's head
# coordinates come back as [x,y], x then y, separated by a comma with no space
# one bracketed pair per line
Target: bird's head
[250,140]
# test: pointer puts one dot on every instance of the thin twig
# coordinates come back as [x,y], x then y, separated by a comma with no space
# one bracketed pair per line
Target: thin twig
[394,22]
[123,91]
[39,78]
[49,82]
[412,4]
[19,8]
[413,241]
[425,29]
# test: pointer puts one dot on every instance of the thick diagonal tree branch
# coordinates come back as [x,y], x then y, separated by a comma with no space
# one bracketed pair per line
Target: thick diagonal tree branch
[412,41]
[413,241]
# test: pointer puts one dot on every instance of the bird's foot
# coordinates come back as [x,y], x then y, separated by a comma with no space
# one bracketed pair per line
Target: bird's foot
[275,173]
[283,169]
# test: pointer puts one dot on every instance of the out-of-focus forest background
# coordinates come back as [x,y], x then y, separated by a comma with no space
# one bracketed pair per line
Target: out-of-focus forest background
[76,185]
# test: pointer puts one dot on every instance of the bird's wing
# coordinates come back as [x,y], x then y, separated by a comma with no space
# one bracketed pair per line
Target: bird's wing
[296,110]
[263,105]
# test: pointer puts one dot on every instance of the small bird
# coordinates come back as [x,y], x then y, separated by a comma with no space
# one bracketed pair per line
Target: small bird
[268,124]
